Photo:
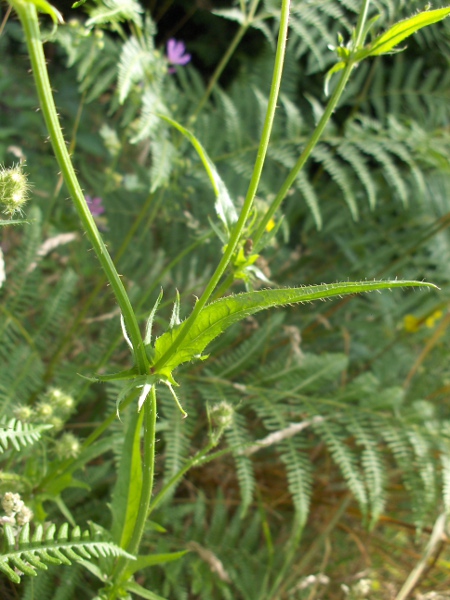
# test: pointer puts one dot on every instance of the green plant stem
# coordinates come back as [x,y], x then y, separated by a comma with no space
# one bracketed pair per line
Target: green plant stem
[253,186]
[225,59]
[28,17]
[317,133]
[148,471]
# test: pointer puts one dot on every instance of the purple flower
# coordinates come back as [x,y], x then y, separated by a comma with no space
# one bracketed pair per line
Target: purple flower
[95,206]
[176,54]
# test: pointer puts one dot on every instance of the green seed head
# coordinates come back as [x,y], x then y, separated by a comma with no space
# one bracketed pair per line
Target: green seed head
[13,190]
[67,446]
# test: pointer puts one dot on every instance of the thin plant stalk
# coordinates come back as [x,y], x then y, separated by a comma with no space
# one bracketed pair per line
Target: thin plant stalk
[317,133]
[253,186]
[28,17]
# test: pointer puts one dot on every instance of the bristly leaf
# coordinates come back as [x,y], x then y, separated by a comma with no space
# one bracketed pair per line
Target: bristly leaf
[218,316]
[5,222]
[175,318]
[388,41]
[125,333]
[149,326]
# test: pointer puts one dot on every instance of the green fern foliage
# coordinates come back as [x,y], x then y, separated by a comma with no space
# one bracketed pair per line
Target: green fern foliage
[18,434]
[24,554]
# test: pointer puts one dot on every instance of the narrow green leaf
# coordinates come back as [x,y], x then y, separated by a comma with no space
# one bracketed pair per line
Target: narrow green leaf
[120,375]
[142,562]
[218,316]
[387,41]
[127,491]
[175,318]
[137,589]
[149,326]
[4,222]
[224,206]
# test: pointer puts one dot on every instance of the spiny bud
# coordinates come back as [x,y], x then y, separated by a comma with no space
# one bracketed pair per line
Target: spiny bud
[23,413]
[68,446]
[57,423]
[44,410]
[13,189]
[222,414]
[60,400]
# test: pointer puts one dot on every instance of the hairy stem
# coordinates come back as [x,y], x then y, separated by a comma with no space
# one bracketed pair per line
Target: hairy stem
[28,17]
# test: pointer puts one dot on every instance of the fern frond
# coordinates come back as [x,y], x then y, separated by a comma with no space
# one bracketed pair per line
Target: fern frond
[397,441]
[148,122]
[373,465]
[237,437]
[425,466]
[139,63]
[248,352]
[164,155]
[42,549]
[115,11]
[176,432]
[409,89]
[298,466]
[331,433]
[18,434]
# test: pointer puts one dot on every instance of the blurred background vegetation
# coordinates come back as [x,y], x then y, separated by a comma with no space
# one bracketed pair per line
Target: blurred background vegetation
[345,507]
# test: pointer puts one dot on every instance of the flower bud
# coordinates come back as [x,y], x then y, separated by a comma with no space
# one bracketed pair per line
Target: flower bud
[60,400]
[44,410]
[23,413]
[222,414]
[68,446]
[13,190]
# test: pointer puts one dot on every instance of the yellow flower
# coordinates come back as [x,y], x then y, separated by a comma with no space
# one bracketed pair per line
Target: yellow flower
[270,225]
[430,321]
[411,323]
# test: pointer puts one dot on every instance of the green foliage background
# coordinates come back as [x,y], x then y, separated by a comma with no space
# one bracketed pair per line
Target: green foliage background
[372,459]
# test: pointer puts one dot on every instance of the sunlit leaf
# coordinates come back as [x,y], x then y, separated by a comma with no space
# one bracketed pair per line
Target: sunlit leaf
[218,316]
[387,41]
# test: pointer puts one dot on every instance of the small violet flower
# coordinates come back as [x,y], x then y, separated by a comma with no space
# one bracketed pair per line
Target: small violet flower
[95,206]
[176,54]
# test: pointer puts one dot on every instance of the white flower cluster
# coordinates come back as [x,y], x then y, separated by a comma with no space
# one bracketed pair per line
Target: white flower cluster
[16,513]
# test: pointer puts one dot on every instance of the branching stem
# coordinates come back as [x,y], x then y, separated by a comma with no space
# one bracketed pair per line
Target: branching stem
[251,192]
